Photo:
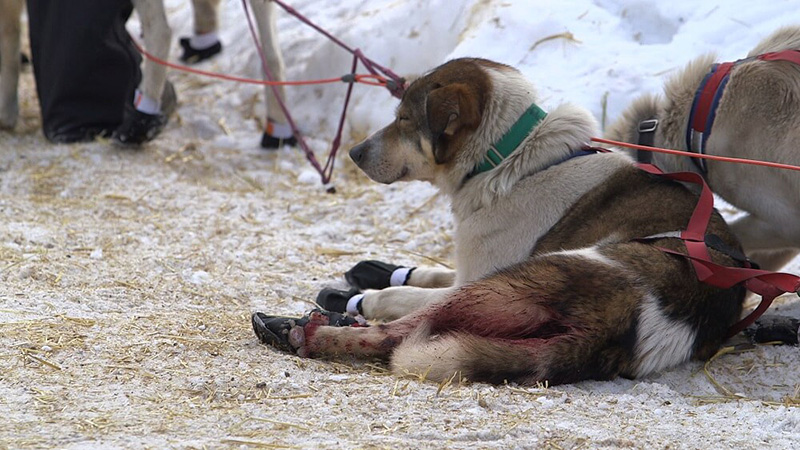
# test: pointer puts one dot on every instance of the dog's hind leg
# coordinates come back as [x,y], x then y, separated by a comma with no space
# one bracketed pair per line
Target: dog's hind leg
[486,332]
[474,310]
[316,339]
[10,64]
[765,243]
[554,360]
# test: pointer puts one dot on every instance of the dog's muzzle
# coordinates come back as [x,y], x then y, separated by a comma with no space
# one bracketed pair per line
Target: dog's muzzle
[359,152]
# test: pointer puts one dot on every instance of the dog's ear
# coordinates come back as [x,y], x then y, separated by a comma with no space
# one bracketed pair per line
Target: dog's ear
[450,108]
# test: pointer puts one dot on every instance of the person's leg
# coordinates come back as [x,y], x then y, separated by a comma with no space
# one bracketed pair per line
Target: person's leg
[85,66]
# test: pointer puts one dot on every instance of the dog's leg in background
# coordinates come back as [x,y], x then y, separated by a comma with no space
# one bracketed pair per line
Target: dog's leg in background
[155,99]
[205,16]
[157,36]
[276,128]
[205,42]
[764,243]
[10,64]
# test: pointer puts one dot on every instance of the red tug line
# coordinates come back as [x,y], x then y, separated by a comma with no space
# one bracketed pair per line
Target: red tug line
[754,162]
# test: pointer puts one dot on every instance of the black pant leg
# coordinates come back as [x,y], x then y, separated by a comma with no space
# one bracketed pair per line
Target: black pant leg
[85,65]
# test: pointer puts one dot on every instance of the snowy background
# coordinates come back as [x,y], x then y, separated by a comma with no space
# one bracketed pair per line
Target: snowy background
[127,277]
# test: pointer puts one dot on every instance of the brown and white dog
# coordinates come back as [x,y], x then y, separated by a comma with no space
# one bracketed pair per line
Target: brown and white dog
[758,117]
[157,38]
[549,284]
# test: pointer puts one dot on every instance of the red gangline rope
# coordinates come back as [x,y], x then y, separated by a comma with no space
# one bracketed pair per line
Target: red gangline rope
[359,78]
[754,162]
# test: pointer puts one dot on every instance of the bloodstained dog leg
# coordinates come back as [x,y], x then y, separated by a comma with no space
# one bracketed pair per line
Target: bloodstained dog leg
[513,326]
[317,339]
[493,332]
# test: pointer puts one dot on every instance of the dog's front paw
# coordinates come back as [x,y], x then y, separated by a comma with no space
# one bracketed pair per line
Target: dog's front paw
[337,300]
[774,328]
[290,334]
[377,275]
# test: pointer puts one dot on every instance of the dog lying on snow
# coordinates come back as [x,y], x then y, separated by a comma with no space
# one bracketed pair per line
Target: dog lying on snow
[550,284]
[758,117]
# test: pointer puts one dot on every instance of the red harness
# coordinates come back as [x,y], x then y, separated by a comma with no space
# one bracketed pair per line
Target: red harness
[706,100]
[764,283]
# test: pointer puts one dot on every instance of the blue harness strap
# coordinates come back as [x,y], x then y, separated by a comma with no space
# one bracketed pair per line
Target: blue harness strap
[695,138]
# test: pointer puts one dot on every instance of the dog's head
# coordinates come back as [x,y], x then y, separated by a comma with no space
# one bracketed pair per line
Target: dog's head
[436,117]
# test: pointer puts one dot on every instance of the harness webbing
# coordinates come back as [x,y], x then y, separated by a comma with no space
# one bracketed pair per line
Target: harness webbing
[764,283]
[647,136]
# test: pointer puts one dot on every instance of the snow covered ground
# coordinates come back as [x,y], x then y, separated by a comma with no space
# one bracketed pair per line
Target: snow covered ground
[127,278]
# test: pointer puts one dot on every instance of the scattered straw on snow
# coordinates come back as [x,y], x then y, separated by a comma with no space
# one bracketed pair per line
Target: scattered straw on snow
[127,279]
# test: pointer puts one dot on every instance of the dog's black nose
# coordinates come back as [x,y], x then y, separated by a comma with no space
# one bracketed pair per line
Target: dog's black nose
[357,153]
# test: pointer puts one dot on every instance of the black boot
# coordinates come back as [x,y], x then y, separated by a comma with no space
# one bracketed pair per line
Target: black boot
[193,55]
[334,299]
[273,143]
[138,127]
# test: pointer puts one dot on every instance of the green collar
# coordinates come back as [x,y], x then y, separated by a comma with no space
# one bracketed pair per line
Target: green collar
[511,140]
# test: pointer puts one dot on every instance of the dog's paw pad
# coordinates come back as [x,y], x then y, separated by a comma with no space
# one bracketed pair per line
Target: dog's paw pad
[297,337]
